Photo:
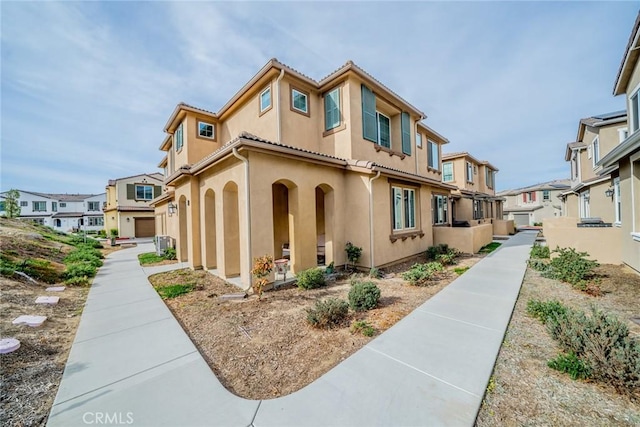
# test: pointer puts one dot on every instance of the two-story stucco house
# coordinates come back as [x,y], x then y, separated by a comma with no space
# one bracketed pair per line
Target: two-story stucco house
[607,176]
[296,167]
[62,212]
[597,136]
[531,205]
[127,207]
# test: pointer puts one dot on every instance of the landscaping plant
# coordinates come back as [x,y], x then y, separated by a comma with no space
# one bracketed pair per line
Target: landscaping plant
[363,327]
[310,279]
[420,274]
[327,314]
[571,267]
[262,267]
[363,296]
[353,254]
[539,251]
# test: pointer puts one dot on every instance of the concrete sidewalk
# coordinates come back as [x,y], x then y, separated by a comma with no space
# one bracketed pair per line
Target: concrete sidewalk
[131,362]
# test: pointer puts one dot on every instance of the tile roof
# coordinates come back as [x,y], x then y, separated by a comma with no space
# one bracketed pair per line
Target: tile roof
[557,184]
[155,175]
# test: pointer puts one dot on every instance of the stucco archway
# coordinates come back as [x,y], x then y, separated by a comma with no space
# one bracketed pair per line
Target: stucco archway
[325,215]
[231,226]
[210,252]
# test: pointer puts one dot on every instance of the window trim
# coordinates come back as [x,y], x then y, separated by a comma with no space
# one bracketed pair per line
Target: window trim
[469,172]
[634,111]
[261,110]
[617,202]
[89,206]
[54,206]
[342,123]
[418,140]
[595,151]
[546,195]
[213,130]
[144,198]
[404,228]
[489,177]
[450,163]
[431,144]
[621,132]
[178,132]
[24,204]
[379,142]
[307,97]
[434,200]
[40,203]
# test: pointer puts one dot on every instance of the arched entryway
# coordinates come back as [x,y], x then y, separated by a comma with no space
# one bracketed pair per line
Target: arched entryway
[231,227]
[282,236]
[183,244]
[210,256]
[325,211]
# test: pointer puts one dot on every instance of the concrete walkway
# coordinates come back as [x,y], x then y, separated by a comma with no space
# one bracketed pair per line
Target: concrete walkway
[131,362]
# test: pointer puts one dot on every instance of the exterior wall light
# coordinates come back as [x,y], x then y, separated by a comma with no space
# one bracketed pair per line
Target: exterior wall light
[172,208]
[608,192]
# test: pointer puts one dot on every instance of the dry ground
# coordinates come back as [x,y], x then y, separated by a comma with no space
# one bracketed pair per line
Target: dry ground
[265,349]
[524,391]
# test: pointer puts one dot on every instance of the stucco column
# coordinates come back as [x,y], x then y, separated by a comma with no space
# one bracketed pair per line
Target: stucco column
[193,225]
[302,228]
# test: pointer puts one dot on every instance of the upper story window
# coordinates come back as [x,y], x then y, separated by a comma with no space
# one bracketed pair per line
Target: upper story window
[617,199]
[206,130]
[25,204]
[265,99]
[178,138]
[2,206]
[469,172]
[54,206]
[529,196]
[623,134]
[374,122]
[332,109]
[39,206]
[418,140]
[595,151]
[300,101]
[404,208]
[440,207]
[490,177]
[574,165]
[63,205]
[634,110]
[433,158]
[93,206]
[447,172]
[144,192]
[546,196]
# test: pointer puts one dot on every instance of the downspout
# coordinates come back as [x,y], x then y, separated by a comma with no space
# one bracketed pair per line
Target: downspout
[415,134]
[278,108]
[371,216]
[248,210]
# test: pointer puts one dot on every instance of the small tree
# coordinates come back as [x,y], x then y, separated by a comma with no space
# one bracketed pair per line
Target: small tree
[353,253]
[262,267]
[11,205]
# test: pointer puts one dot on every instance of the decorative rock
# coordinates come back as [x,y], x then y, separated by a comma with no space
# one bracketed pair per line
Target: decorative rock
[56,288]
[32,321]
[7,345]
[47,300]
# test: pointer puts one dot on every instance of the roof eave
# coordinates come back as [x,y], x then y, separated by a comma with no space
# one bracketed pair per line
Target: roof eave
[629,60]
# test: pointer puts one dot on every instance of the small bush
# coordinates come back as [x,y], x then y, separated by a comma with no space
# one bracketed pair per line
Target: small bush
[81,241]
[447,259]
[310,279]
[420,274]
[170,254]
[363,327]
[77,281]
[327,314]
[40,269]
[571,267]
[353,253]
[570,364]
[375,273]
[461,270]
[363,296]
[80,269]
[149,258]
[172,291]
[539,251]
[545,310]
[538,264]
[487,249]
[88,255]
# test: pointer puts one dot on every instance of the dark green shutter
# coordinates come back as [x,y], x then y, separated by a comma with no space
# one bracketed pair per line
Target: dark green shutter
[369,123]
[406,134]
[131,192]
[157,190]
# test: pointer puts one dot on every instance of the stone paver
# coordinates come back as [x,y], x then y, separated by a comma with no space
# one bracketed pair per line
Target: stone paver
[131,359]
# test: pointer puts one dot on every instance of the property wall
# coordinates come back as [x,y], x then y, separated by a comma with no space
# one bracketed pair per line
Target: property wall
[630,214]
[572,208]
[464,239]
[503,227]
[463,209]
[601,243]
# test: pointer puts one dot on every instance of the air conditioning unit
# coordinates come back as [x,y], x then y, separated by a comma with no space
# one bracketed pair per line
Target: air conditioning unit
[162,243]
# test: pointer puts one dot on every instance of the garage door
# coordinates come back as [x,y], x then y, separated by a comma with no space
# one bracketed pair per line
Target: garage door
[145,227]
[521,219]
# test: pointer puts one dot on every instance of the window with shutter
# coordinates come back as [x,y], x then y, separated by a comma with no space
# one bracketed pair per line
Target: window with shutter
[406,133]
[384,130]
[332,109]
[369,118]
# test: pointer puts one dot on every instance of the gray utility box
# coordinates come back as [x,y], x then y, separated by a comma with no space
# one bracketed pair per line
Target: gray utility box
[162,243]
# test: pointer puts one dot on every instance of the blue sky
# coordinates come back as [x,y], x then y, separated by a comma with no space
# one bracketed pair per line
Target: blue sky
[87,87]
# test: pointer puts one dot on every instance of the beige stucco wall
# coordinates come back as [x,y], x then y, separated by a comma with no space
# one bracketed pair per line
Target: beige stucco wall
[571,206]
[502,227]
[464,239]
[463,209]
[630,191]
[602,244]
[601,206]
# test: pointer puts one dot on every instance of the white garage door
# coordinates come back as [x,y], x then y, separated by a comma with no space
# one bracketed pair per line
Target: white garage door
[521,219]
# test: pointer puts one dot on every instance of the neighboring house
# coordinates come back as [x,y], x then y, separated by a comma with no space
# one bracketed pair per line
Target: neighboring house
[62,212]
[475,199]
[597,136]
[617,239]
[127,208]
[295,167]
[530,205]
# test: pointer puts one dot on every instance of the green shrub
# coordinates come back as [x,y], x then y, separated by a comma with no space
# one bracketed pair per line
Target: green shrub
[375,273]
[363,296]
[487,249]
[310,279]
[88,255]
[7,267]
[40,269]
[433,251]
[77,281]
[545,310]
[81,240]
[420,274]
[447,259]
[538,264]
[460,270]
[328,313]
[80,269]
[539,251]
[570,364]
[172,291]
[170,254]
[353,253]
[149,258]
[571,267]
[363,327]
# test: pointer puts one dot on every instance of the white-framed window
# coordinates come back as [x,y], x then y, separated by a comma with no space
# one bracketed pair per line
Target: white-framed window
[595,151]
[418,140]
[404,208]
[384,130]
[96,221]
[440,208]
[617,200]
[584,204]
[634,111]
[178,140]
[299,101]
[332,109]
[546,196]
[623,134]
[93,206]
[574,166]
[144,192]
[529,196]
[24,204]
[54,206]
[39,206]
[265,99]
[433,157]
[447,172]
[489,177]
[63,204]
[206,130]
[478,209]
[469,172]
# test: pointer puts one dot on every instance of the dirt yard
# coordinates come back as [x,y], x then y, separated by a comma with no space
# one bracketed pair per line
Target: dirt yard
[265,349]
[524,391]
